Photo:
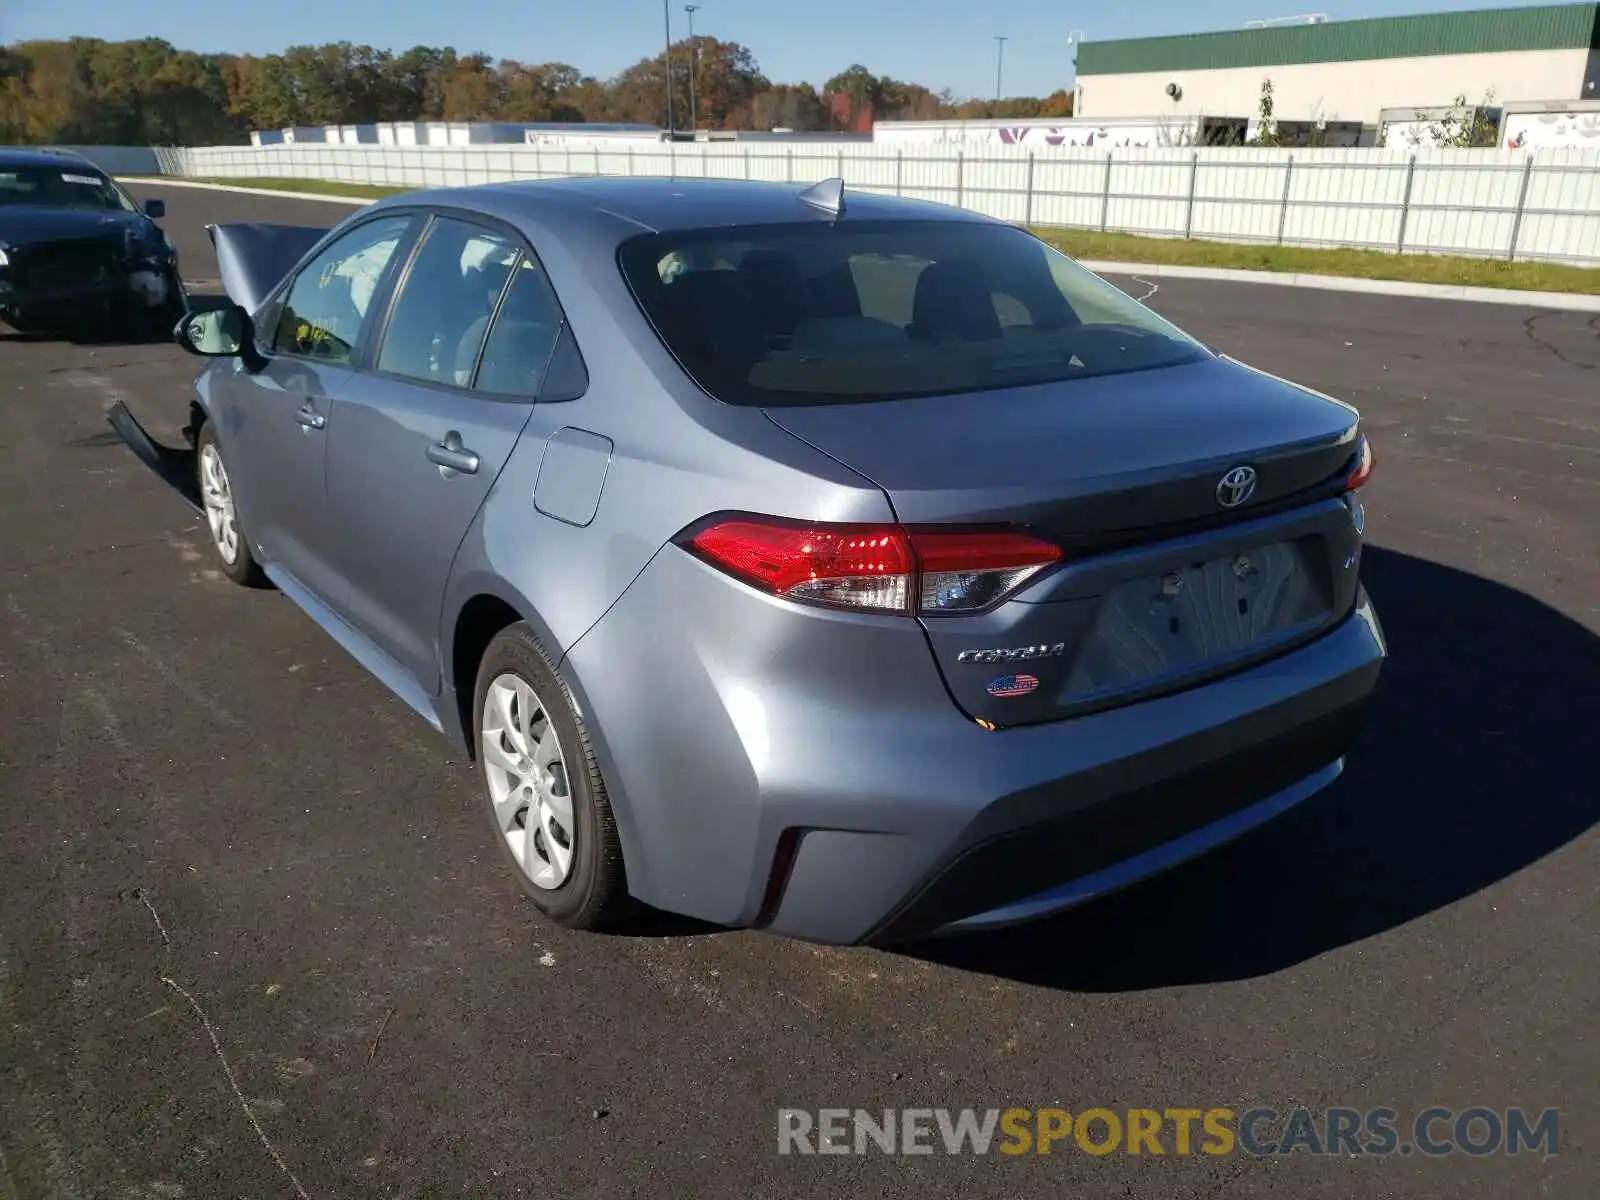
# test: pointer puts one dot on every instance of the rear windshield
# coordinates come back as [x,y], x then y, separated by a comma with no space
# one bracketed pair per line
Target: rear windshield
[821,313]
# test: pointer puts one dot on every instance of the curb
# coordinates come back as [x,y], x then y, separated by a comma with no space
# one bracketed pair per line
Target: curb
[1570,301]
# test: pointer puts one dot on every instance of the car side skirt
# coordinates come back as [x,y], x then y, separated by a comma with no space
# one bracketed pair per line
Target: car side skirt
[388,672]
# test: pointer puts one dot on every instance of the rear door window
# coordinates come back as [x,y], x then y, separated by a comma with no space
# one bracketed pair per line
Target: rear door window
[832,313]
[442,311]
[328,303]
[531,351]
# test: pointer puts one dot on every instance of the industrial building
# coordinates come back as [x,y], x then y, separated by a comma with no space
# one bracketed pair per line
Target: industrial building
[445,133]
[1333,80]
[502,133]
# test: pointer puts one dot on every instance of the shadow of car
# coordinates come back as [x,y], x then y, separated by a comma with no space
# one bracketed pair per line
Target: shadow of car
[129,327]
[1476,763]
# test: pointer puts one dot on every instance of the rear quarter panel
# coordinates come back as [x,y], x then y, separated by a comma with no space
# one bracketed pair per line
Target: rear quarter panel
[677,456]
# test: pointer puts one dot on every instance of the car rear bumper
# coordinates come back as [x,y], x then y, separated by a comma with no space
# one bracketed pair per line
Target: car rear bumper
[817,781]
[1048,866]
[1104,825]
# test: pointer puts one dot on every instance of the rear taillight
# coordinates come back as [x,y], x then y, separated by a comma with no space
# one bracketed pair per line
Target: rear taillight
[875,568]
[1362,471]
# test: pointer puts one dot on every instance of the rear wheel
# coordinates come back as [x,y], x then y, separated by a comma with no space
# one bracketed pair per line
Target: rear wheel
[542,787]
[222,513]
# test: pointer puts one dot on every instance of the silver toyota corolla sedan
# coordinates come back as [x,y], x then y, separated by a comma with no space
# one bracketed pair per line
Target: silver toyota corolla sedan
[834,564]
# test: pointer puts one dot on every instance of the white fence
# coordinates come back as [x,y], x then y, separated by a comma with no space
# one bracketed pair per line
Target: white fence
[1488,203]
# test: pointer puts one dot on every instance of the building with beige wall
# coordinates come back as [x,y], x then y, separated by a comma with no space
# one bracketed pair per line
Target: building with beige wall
[1340,75]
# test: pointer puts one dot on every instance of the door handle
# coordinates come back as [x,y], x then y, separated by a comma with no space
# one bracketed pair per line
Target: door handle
[310,418]
[452,455]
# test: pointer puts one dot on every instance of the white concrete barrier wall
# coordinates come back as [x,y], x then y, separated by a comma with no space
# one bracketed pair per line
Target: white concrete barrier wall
[120,160]
[1487,203]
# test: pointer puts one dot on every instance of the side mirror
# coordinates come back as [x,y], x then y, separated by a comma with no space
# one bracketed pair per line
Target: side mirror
[155,208]
[214,332]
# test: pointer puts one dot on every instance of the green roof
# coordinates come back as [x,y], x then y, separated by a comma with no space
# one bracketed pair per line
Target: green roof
[1485,31]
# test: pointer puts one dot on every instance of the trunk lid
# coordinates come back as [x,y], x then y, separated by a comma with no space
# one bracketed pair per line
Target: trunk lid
[1163,584]
[1110,454]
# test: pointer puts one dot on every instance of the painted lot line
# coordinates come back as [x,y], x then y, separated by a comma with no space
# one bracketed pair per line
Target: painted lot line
[398,1023]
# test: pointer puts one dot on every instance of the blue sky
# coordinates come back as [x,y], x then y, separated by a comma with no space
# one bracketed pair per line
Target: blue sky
[939,43]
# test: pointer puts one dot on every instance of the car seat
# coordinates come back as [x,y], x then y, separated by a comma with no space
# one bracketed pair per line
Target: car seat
[711,319]
[778,288]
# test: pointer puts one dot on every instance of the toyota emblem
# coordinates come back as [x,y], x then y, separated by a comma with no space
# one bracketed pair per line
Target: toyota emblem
[1237,486]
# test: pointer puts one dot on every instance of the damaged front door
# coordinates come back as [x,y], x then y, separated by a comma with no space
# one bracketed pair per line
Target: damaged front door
[273,421]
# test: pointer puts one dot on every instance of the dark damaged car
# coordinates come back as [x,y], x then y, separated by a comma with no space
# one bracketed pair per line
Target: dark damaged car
[75,246]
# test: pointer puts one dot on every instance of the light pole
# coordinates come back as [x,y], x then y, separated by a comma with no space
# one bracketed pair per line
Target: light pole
[999,64]
[694,68]
[666,12]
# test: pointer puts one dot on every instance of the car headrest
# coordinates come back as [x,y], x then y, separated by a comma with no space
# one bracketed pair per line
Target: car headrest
[713,309]
[491,277]
[953,301]
[777,286]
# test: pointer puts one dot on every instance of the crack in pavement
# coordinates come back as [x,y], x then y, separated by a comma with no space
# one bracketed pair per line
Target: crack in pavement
[1528,329]
[216,1045]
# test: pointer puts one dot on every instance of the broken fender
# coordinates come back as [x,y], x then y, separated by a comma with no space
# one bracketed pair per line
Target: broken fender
[174,467]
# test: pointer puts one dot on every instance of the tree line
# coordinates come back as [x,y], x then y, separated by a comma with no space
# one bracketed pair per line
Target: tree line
[86,91]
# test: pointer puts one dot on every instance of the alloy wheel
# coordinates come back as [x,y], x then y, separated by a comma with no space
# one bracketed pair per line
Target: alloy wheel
[217,494]
[528,785]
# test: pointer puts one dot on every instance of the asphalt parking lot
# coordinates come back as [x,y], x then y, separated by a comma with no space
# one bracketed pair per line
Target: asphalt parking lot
[255,942]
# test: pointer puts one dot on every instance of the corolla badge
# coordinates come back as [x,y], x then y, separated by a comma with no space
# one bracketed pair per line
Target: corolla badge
[1013,653]
[1237,486]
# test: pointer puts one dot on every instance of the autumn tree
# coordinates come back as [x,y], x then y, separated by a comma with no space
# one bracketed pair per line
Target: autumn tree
[727,81]
[540,93]
[886,98]
[470,89]
[789,106]
[860,89]
[87,91]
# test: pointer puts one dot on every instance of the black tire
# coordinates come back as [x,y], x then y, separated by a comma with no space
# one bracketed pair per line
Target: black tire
[156,324]
[243,570]
[18,321]
[594,894]
[176,307]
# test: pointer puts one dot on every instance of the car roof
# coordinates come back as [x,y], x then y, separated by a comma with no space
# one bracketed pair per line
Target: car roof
[20,156]
[660,204]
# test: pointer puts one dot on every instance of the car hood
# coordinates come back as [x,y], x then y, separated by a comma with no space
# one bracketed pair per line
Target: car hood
[254,258]
[25,224]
